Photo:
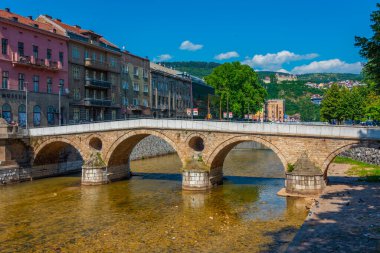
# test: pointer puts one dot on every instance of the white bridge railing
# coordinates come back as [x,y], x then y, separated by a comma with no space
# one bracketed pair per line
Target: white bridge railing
[215,126]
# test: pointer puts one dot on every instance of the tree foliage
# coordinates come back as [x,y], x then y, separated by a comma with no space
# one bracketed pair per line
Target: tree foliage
[239,84]
[370,49]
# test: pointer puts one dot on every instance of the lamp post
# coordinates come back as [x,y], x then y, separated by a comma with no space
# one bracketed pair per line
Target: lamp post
[26,105]
[59,103]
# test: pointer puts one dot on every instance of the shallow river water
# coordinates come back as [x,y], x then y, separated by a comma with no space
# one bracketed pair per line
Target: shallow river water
[151,213]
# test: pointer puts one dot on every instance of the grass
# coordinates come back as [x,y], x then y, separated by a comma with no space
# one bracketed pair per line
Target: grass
[367,172]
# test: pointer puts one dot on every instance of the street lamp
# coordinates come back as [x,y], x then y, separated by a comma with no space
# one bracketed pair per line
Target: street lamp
[59,103]
[26,104]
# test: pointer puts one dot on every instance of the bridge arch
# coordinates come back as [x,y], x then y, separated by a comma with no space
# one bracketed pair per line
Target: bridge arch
[216,159]
[120,151]
[333,155]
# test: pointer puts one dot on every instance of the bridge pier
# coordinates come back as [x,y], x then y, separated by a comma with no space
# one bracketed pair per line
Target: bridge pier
[304,178]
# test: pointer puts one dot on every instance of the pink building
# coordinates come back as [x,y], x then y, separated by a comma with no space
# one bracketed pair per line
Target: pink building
[33,57]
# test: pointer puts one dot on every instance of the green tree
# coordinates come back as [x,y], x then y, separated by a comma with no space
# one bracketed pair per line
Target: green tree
[370,49]
[331,108]
[372,107]
[239,84]
[309,111]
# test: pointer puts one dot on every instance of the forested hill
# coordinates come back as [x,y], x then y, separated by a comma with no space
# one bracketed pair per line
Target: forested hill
[196,68]
[202,69]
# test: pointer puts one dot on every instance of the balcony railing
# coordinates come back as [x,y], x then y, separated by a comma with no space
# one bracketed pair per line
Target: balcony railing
[88,62]
[97,83]
[96,102]
[31,61]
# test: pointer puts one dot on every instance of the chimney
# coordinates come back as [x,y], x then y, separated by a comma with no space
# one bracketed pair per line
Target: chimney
[30,17]
[8,10]
[48,16]
[77,26]
[59,20]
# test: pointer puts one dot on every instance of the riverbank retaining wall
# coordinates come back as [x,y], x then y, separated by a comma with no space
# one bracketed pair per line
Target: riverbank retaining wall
[367,155]
[151,146]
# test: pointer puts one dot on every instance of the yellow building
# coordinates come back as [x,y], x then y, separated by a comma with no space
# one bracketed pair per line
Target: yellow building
[275,110]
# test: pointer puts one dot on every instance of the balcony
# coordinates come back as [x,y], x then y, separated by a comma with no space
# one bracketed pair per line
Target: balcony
[32,62]
[96,102]
[100,65]
[97,83]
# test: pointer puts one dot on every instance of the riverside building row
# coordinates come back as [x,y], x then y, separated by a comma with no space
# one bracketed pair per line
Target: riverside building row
[53,73]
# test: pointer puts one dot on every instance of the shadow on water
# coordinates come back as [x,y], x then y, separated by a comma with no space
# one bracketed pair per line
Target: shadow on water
[238,180]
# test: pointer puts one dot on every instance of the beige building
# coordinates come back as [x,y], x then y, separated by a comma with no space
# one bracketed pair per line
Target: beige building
[135,85]
[171,92]
[275,110]
[281,78]
[94,73]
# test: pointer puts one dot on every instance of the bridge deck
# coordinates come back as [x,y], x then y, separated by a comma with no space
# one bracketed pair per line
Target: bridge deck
[325,131]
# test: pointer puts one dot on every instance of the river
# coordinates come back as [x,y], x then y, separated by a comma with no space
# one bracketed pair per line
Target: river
[151,213]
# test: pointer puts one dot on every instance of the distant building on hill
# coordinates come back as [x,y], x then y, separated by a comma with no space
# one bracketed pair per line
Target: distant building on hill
[316,99]
[281,78]
[266,80]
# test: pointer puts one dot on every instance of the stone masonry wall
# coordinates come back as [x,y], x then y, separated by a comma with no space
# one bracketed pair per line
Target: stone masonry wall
[151,146]
[367,155]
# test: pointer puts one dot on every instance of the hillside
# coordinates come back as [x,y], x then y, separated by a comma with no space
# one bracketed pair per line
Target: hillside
[297,98]
[200,69]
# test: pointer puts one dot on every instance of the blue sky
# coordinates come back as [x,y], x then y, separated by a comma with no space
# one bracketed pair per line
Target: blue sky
[298,36]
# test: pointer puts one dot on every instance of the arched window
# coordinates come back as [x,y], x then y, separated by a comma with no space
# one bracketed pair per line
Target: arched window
[22,115]
[36,115]
[7,112]
[50,115]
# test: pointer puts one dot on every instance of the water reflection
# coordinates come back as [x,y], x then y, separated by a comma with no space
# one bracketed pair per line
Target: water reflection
[149,212]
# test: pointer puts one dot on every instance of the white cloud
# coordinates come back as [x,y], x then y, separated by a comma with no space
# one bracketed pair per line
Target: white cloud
[163,57]
[227,55]
[275,61]
[329,66]
[187,45]
[283,71]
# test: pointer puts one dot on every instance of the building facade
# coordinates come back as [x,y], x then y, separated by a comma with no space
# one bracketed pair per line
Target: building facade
[171,92]
[94,73]
[275,110]
[135,85]
[34,72]
[204,100]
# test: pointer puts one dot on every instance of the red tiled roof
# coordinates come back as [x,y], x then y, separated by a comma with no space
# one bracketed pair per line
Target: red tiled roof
[80,31]
[26,21]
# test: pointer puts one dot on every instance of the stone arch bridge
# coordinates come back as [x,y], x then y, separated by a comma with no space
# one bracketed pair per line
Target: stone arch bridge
[201,145]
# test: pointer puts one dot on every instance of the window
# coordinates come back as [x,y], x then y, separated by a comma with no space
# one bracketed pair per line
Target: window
[50,115]
[4,46]
[48,54]
[35,52]
[136,87]
[125,69]
[22,115]
[36,83]
[146,88]
[145,73]
[85,54]
[21,80]
[135,102]
[61,58]
[125,101]
[76,72]
[93,56]
[20,48]
[36,115]
[49,84]
[75,52]
[101,58]
[87,111]
[76,93]
[113,114]
[4,83]
[125,86]
[136,71]
[7,113]
[145,102]
[76,114]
